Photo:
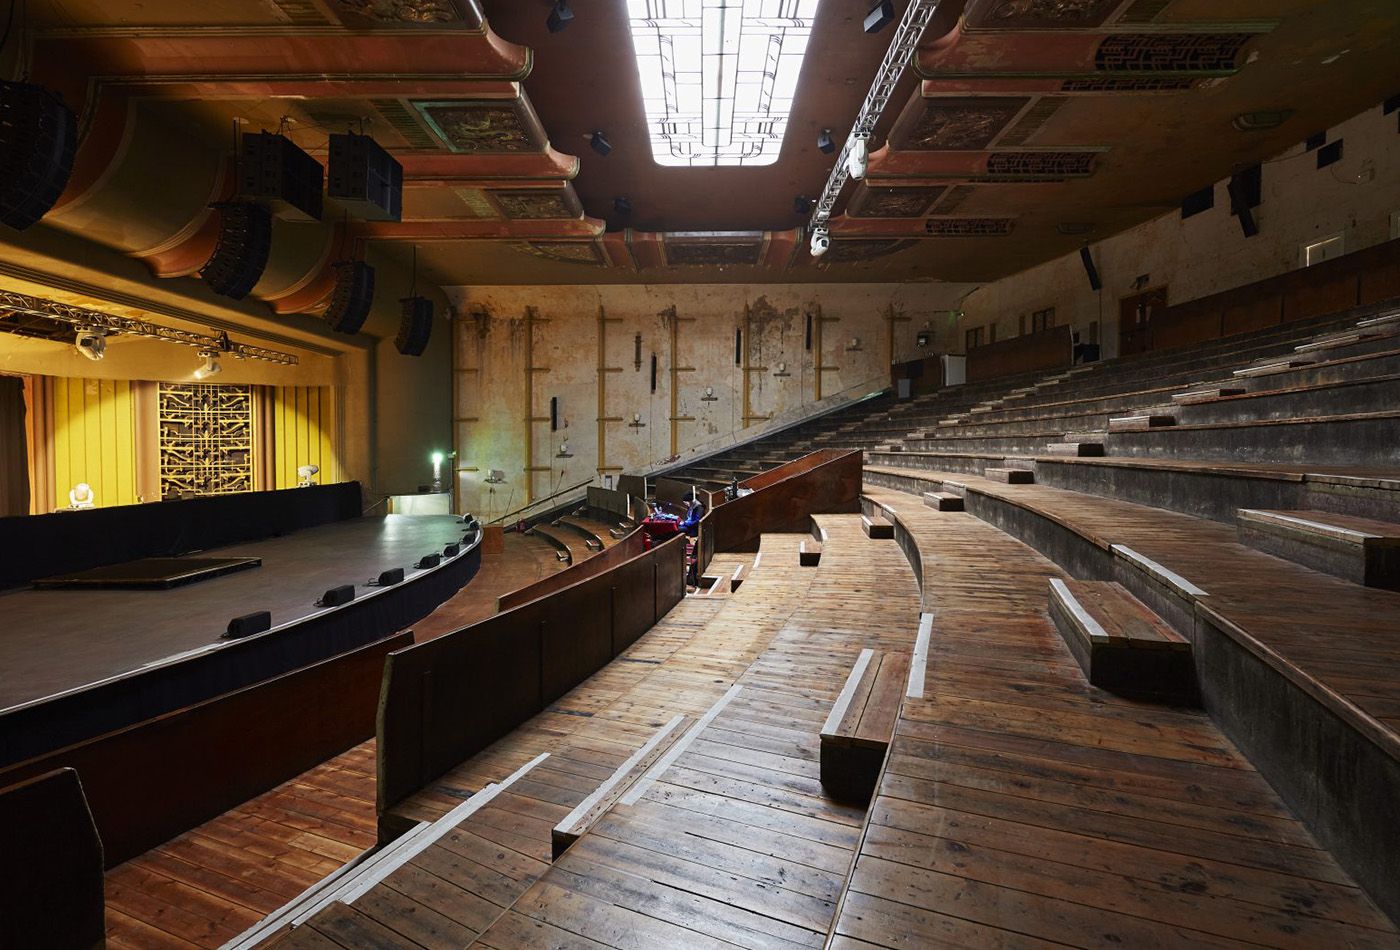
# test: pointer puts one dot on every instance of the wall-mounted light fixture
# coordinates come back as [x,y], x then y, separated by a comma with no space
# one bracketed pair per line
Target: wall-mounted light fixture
[782,370]
[709,395]
[636,422]
[855,343]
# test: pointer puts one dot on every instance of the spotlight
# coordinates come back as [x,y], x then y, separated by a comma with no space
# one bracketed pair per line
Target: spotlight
[600,144]
[211,365]
[91,343]
[825,142]
[802,205]
[559,17]
[305,473]
[880,16]
[858,158]
[622,206]
[821,242]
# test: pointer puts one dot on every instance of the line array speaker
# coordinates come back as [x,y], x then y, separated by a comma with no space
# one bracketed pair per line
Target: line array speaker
[273,168]
[365,178]
[38,139]
[1094,282]
[354,294]
[240,257]
[415,326]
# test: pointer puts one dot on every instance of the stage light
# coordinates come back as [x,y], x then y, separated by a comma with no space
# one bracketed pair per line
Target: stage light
[81,496]
[858,158]
[600,144]
[559,17]
[305,473]
[622,206]
[211,365]
[91,343]
[821,242]
[880,16]
[825,142]
[802,205]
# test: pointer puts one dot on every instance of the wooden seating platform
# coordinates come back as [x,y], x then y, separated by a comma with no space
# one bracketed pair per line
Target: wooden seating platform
[1010,476]
[857,731]
[1361,550]
[1140,421]
[943,501]
[1120,644]
[876,528]
[809,553]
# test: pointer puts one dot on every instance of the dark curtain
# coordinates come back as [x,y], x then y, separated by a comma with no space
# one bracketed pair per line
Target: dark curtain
[14,449]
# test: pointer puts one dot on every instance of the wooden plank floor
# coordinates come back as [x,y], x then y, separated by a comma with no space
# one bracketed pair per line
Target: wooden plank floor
[1324,633]
[212,883]
[1022,807]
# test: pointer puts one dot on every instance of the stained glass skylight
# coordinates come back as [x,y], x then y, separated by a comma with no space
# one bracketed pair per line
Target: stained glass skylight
[719,76]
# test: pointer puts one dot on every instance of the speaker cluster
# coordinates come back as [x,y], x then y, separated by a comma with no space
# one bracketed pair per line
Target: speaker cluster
[38,140]
[415,326]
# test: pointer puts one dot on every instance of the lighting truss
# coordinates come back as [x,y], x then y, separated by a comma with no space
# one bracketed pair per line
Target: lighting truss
[906,41]
[96,320]
[719,76]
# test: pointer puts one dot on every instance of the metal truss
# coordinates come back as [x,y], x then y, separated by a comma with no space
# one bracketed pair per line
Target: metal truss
[897,57]
[11,302]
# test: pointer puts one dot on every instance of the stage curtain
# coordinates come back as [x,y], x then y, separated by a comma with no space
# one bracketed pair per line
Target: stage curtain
[14,448]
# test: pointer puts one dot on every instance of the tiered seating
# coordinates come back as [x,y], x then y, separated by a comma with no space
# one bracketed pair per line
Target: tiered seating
[1360,550]
[857,731]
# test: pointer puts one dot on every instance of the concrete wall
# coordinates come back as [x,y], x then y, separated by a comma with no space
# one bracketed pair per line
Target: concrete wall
[1207,253]
[494,338]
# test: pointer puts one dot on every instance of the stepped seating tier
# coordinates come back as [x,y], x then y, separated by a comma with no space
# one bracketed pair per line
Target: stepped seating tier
[857,731]
[1361,550]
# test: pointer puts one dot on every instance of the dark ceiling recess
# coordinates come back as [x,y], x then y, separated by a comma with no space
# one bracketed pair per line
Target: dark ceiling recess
[1316,141]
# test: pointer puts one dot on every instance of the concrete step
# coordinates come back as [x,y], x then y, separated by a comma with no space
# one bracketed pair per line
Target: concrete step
[943,501]
[1011,476]
[1361,550]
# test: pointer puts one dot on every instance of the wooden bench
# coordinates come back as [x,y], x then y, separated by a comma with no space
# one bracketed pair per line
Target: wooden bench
[1010,476]
[943,501]
[857,732]
[1140,421]
[740,573]
[1121,645]
[1360,550]
[577,822]
[877,528]
[809,553]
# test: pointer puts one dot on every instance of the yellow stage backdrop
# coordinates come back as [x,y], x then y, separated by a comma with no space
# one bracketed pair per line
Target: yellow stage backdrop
[303,430]
[94,439]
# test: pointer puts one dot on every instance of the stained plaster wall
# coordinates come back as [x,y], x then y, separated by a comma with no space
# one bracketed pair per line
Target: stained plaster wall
[1207,253]
[492,349]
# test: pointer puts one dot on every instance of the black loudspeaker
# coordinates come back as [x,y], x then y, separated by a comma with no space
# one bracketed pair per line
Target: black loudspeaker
[880,16]
[38,138]
[337,596]
[1090,269]
[738,347]
[1241,206]
[653,372]
[390,577]
[1198,202]
[553,413]
[415,326]
[248,624]
[807,342]
[452,550]
[354,293]
[240,257]
[365,178]
[427,561]
[274,169]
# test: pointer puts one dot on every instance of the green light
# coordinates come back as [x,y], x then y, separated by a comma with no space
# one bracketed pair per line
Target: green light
[437,458]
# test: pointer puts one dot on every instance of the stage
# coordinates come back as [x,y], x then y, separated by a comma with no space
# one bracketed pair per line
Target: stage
[59,641]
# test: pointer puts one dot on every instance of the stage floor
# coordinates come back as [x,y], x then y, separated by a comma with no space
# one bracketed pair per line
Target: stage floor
[52,641]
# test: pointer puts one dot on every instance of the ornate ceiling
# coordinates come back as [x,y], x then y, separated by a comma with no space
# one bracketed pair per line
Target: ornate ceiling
[1027,128]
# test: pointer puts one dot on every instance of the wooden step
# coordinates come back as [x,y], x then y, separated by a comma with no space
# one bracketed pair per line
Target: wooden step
[877,528]
[1206,394]
[1360,550]
[1138,423]
[1381,320]
[1274,366]
[943,501]
[809,553]
[1338,340]
[954,488]
[1076,449]
[858,729]
[1011,476]
[577,822]
[1121,645]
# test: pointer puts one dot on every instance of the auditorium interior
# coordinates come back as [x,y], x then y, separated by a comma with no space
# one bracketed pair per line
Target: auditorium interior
[643,474]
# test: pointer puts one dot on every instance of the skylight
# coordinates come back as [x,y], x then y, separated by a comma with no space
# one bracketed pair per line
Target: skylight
[719,76]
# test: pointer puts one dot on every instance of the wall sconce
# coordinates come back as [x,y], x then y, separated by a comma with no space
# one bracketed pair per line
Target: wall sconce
[496,477]
[855,343]
[709,395]
[782,370]
[564,452]
[636,422]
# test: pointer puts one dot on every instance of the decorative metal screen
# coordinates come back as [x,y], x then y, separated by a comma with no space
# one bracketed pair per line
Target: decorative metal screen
[1041,164]
[1171,52]
[206,439]
[968,227]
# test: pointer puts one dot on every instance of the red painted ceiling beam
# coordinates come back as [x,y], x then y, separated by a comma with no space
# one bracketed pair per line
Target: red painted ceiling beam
[479,230]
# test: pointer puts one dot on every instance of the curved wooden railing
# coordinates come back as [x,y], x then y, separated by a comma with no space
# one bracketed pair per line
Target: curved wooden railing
[827,481]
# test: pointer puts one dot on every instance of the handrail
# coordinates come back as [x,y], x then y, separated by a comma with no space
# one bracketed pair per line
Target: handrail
[540,501]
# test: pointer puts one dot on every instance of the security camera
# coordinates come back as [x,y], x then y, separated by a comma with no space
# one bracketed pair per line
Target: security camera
[858,157]
[91,343]
[821,242]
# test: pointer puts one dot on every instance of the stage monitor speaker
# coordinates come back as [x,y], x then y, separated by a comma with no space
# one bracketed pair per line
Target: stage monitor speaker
[365,178]
[38,139]
[273,169]
[337,596]
[415,326]
[248,624]
[240,257]
[1094,282]
[428,561]
[452,550]
[390,577]
[354,294]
